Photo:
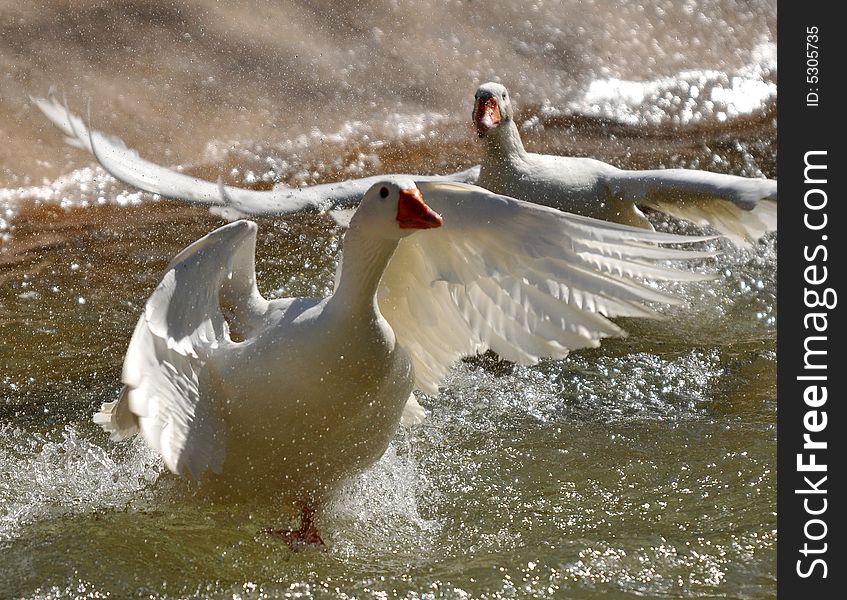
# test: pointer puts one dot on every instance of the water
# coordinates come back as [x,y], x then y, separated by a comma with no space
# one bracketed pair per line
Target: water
[643,468]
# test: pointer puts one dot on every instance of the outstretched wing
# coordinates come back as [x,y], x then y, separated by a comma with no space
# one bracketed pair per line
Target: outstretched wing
[741,208]
[126,165]
[523,280]
[166,371]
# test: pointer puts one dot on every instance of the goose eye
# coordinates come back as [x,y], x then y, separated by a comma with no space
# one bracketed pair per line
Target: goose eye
[383,192]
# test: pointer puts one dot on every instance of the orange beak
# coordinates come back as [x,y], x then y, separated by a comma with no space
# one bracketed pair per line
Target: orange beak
[413,213]
[486,115]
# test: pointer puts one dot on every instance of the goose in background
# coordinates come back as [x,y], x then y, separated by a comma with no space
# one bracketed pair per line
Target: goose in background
[741,208]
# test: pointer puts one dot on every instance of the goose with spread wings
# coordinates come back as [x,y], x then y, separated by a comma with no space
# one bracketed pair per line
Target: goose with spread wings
[742,209]
[296,394]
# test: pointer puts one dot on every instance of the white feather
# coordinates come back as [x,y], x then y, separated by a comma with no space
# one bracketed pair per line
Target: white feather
[127,166]
[523,280]
[166,382]
[741,208]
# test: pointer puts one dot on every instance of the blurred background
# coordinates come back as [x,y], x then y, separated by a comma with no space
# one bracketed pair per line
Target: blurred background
[170,77]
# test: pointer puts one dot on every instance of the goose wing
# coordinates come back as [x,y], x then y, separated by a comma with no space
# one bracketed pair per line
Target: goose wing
[523,280]
[166,372]
[741,208]
[124,164]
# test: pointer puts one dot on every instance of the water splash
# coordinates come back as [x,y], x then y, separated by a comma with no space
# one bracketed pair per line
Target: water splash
[81,188]
[48,476]
[688,97]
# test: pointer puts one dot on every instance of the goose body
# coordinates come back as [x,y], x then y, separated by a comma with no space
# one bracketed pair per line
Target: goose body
[312,382]
[327,387]
[743,209]
[296,394]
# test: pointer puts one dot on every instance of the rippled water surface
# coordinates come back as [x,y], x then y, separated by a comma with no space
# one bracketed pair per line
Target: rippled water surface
[643,468]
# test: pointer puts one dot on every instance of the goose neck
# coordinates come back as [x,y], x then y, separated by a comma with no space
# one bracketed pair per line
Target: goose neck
[504,143]
[363,261]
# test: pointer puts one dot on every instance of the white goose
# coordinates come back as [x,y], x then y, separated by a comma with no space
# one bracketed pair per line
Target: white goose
[743,209]
[296,394]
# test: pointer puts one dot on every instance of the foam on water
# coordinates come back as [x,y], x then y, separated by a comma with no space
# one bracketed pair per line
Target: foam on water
[379,510]
[742,291]
[310,157]
[692,96]
[50,476]
[81,188]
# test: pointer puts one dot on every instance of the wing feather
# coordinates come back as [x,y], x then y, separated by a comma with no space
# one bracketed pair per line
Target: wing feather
[126,165]
[523,280]
[740,226]
[166,373]
[741,208]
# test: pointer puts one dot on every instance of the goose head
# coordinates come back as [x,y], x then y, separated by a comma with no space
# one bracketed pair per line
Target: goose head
[393,209]
[492,108]
[390,210]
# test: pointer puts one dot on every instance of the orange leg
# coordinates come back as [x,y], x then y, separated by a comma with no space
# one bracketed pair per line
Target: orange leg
[305,537]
